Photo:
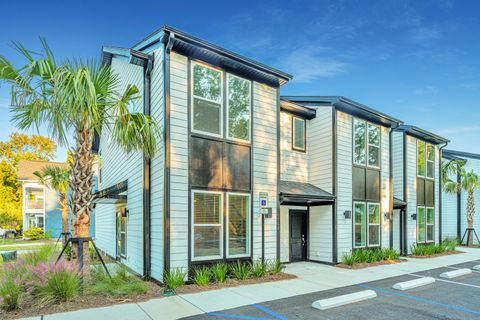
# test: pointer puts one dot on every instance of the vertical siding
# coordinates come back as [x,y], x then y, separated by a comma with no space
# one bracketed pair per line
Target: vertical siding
[157,165]
[320,234]
[319,144]
[179,161]
[293,164]
[385,186]
[411,149]
[265,166]
[344,179]
[117,167]
[397,153]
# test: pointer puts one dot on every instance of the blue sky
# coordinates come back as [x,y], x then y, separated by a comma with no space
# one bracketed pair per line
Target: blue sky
[416,60]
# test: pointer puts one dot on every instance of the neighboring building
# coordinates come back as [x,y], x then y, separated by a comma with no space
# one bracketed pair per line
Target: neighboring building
[40,204]
[454,222]
[416,187]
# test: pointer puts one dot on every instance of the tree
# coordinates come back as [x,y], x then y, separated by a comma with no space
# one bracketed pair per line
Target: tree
[467,181]
[57,178]
[19,146]
[79,98]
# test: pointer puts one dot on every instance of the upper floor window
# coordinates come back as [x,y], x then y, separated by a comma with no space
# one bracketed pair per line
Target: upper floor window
[298,134]
[208,103]
[366,144]
[425,160]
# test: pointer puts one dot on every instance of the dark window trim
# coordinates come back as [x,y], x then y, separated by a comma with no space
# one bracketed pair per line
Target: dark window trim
[366,165]
[425,207]
[380,238]
[294,148]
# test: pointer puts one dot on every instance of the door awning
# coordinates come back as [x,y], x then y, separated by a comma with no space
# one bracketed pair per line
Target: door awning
[304,194]
[399,204]
[112,194]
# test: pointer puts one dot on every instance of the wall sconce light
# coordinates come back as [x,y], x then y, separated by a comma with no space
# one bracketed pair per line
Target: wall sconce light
[414,216]
[347,214]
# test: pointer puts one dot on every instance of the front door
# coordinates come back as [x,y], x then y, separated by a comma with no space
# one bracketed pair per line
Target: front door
[298,235]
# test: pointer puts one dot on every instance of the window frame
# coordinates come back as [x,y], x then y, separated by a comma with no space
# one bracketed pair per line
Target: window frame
[193,224]
[426,208]
[429,161]
[193,97]
[367,144]
[120,217]
[248,223]
[424,156]
[227,114]
[367,205]
[295,148]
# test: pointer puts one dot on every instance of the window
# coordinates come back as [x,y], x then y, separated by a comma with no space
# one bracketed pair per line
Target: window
[430,161]
[366,150]
[298,136]
[238,106]
[207,100]
[122,232]
[40,221]
[425,224]
[421,158]
[366,224]
[238,222]
[207,225]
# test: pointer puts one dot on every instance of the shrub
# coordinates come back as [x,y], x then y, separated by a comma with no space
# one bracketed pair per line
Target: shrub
[121,283]
[54,283]
[34,233]
[240,270]
[219,272]
[202,276]
[12,285]
[259,268]
[174,279]
[275,267]
[370,256]
[448,245]
[43,254]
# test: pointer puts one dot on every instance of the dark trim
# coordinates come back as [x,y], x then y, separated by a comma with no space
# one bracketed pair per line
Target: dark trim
[297,109]
[189,188]
[390,155]
[305,212]
[112,192]
[334,186]
[166,176]
[147,221]
[459,210]
[292,137]
[423,134]
[278,177]
[440,188]
[461,154]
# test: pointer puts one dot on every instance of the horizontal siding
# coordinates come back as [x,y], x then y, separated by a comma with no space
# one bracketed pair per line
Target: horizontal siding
[411,168]
[293,164]
[385,186]
[320,234]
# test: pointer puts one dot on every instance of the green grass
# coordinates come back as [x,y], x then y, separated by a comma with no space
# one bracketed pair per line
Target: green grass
[369,256]
[448,245]
[121,284]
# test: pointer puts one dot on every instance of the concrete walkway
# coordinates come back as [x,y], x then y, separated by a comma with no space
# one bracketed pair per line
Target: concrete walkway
[312,277]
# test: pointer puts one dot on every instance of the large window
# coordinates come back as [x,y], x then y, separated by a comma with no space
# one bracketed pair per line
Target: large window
[366,149]
[208,228]
[366,224]
[207,225]
[122,233]
[425,160]
[425,224]
[238,222]
[208,103]
[421,158]
[298,134]
[430,161]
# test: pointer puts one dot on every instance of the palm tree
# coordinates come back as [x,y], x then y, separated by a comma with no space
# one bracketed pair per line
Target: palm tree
[57,178]
[467,181]
[79,99]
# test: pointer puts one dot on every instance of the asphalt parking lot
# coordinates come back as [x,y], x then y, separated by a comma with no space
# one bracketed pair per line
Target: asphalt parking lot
[457,298]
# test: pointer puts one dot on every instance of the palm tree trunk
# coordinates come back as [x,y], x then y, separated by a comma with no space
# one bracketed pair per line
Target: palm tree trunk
[81,196]
[64,207]
[470,216]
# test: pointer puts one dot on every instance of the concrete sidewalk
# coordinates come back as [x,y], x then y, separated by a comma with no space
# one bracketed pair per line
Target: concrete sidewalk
[312,277]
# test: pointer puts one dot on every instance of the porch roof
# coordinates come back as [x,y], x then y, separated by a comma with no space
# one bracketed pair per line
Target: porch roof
[303,194]
[112,194]
[399,204]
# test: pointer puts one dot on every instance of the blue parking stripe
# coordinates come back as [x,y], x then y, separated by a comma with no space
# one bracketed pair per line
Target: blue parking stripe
[233,316]
[403,295]
[270,312]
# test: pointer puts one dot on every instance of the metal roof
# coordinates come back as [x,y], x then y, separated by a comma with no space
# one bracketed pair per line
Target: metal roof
[453,154]
[297,109]
[303,194]
[423,134]
[348,106]
[399,204]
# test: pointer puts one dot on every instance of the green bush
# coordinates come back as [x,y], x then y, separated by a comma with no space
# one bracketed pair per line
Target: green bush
[275,267]
[34,233]
[174,279]
[202,276]
[259,268]
[448,245]
[370,256]
[122,283]
[219,272]
[55,283]
[44,253]
[240,270]
[12,287]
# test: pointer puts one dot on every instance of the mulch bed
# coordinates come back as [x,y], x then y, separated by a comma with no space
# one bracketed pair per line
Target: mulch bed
[437,255]
[368,265]
[193,288]
[154,291]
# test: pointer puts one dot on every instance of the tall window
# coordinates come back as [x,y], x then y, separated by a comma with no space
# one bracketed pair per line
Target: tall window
[425,192]
[298,134]
[425,224]
[208,228]
[366,149]
[421,158]
[430,161]
[207,103]
[122,233]
[366,224]
[207,100]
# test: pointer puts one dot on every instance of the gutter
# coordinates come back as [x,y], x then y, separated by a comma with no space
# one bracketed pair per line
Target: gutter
[440,178]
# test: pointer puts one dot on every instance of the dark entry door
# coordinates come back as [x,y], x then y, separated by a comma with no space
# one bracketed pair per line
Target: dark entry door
[298,235]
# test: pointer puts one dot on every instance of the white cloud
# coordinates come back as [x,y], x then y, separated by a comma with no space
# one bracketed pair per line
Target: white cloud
[310,63]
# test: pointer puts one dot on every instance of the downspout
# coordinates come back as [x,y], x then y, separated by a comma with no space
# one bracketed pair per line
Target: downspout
[440,177]
[459,210]
[390,209]
[146,174]
[334,186]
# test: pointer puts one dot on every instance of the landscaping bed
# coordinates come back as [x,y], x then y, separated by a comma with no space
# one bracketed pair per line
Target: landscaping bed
[364,258]
[447,247]
[369,264]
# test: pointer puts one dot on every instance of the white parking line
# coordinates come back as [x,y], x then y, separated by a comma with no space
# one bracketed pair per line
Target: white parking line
[448,281]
